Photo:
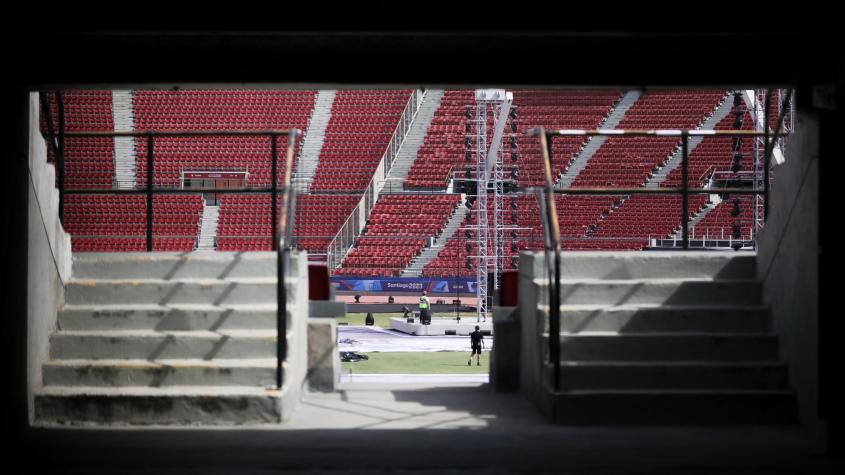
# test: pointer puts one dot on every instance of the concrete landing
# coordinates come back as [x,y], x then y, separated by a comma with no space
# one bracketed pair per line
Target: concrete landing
[440,327]
[429,428]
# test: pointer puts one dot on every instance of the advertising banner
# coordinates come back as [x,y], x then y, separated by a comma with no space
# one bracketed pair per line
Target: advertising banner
[433,285]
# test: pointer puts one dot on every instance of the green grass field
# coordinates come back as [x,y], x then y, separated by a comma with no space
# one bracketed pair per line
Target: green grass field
[439,362]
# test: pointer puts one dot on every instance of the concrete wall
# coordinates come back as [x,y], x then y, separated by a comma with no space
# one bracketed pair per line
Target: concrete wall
[532,294]
[505,356]
[48,254]
[788,256]
[323,355]
[296,364]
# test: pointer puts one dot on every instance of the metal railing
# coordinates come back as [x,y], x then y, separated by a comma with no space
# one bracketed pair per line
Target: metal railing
[549,219]
[354,223]
[281,223]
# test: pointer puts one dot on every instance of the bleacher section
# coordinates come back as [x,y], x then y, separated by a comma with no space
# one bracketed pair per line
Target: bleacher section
[556,110]
[318,217]
[444,148]
[89,161]
[356,137]
[576,215]
[244,222]
[398,227]
[716,152]
[627,161]
[720,223]
[216,110]
[640,217]
[359,129]
[118,222]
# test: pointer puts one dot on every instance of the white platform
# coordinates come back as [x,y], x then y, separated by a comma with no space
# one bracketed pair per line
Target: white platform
[439,326]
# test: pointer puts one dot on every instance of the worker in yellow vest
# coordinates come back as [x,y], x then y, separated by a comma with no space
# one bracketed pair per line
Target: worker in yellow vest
[425,316]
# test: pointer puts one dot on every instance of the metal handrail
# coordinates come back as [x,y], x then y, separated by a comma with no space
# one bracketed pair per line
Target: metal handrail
[282,230]
[706,175]
[346,234]
[551,228]
[285,233]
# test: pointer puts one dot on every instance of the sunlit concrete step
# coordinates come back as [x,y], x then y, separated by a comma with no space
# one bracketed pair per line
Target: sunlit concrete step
[672,318]
[259,372]
[173,405]
[179,317]
[166,292]
[153,345]
[615,265]
[661,291]
[609,346]
[173,265]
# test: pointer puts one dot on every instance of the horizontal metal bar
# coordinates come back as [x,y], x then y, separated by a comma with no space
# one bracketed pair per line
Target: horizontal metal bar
[653,132]
[164,191]
[646,191]
[179,133]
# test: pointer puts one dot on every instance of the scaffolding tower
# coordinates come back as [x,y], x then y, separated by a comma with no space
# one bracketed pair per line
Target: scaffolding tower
[758,114]
[489,170]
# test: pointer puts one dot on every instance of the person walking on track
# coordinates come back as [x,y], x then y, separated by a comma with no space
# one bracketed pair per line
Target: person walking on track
[476,340]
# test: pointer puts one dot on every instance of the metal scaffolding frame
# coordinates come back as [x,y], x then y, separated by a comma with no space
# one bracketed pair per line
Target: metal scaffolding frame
[498,203]
[489,167]
[758,109]
[481,259]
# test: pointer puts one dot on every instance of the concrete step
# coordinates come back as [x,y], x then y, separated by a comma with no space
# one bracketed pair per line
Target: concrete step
[661,291]
[187,405]
[609,346]
[151,345]
[668,318]
[160,373]
[173,265]
[673,407]
[642,265]
[578,375]
[186,317]
[166,292]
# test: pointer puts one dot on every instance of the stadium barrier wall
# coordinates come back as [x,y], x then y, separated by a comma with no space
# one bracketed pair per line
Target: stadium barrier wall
[49,258]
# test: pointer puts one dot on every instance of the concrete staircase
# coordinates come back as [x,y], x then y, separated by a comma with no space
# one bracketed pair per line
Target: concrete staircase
[312,143]
[413,140]
[124,147]
[611,121]
[173,339]
[721,111]
[208,228]
[667,338]
[417,264]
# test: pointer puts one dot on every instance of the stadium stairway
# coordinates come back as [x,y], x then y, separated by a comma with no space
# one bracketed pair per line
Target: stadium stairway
[173,339]
[594,143]
[659,176]
[208,227]
[417,264]
[414,138]
[666,338]
[710,206]
[124,147]
[312,143]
